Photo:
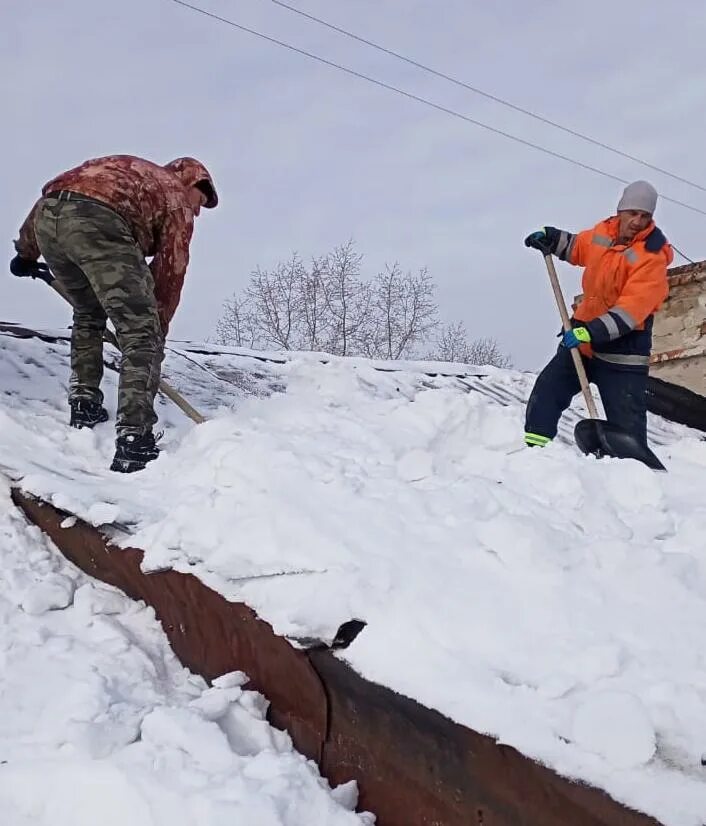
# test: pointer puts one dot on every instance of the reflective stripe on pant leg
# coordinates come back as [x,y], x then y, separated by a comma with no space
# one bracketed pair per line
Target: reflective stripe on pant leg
[536,440]
[552,393]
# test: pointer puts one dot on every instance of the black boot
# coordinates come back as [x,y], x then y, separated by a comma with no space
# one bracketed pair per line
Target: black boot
[87,413]
[133,451]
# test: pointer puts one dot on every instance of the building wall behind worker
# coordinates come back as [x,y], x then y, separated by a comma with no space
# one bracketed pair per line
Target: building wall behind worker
[679,338]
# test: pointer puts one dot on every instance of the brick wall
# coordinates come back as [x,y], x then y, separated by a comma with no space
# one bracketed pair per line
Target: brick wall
[679,345]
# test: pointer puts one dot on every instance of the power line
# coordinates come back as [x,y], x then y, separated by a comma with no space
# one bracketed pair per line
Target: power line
[423,101]
[488,95]
[679,252]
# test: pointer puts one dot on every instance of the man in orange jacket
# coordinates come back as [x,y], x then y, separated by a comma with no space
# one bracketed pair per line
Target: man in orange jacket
[624,283]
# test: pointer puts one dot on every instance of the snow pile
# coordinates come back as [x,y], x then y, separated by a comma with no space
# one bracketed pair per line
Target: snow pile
[551,600]
[100,723]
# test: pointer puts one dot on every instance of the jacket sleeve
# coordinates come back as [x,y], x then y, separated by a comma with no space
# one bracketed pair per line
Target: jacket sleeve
[26,245]
[577,248]
[170,262]
[645,289]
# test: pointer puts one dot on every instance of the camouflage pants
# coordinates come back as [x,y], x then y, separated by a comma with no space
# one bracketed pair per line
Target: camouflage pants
[93,255]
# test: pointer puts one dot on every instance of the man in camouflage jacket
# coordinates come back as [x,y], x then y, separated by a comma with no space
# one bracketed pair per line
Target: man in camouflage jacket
[95,225]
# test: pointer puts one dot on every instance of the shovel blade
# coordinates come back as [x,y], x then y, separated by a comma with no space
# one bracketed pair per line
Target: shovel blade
[602,438]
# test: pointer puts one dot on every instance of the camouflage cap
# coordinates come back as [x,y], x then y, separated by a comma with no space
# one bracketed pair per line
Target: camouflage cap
[193,173]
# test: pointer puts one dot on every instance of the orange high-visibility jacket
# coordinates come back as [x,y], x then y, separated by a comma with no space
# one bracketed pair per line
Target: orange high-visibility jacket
[623,286]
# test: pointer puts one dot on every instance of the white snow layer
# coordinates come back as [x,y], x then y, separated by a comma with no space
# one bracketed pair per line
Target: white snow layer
[100,723]
[551,600]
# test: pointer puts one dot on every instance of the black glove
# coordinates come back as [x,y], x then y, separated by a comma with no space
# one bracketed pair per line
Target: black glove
[545,240]
[538,241]
[552,241]
[22,267]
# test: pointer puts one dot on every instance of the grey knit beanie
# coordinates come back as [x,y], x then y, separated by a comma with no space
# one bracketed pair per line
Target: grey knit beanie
[639,195]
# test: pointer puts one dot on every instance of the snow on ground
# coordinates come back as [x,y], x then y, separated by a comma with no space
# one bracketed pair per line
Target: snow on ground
[100,723]
[554,601]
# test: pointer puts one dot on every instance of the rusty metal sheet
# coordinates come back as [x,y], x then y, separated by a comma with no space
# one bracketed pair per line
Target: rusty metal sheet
[414,766]
[209,635]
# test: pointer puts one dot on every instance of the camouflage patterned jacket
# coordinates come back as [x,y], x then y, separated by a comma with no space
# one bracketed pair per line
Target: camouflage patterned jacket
[153,201]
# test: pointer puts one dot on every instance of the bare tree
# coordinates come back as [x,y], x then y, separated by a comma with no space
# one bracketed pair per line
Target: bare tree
[347,298]
[406,311]
[328,306]
[487,351]
[316,320]
[453,344]
[275,299]
[236,325]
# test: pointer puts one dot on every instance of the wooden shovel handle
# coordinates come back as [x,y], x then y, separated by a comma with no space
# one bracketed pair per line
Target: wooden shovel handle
[165,388]
[566,324]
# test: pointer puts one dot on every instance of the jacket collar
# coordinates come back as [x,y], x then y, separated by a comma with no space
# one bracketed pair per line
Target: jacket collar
[611,225]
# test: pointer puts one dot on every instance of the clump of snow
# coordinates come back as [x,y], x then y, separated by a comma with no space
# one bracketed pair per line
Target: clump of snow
[616,726]
[535,595]
[102,513]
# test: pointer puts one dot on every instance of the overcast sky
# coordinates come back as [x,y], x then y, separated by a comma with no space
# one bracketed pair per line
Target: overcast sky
[305,157]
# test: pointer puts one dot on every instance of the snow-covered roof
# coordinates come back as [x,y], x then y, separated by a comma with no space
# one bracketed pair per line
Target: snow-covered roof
[551,600]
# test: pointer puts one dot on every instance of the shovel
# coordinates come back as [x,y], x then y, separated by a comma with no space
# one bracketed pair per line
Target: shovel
[594,435]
